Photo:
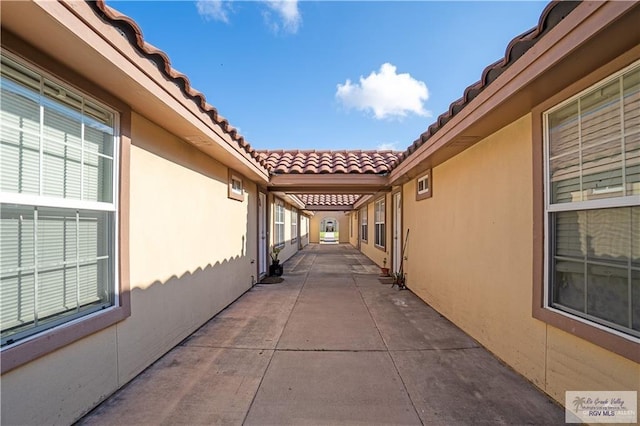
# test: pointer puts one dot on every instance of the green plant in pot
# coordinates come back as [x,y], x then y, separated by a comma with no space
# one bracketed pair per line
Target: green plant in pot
[275,269]
[384,271]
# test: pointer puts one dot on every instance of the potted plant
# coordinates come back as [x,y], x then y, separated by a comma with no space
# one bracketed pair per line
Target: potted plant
[275,268]
[384,271]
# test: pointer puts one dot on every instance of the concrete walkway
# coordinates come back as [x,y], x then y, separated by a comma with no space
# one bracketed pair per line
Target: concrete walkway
[329,345]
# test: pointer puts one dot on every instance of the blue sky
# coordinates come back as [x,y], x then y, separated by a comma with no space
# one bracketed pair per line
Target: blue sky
[331,74]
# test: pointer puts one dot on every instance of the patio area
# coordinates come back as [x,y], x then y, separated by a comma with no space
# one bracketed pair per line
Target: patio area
[331,344]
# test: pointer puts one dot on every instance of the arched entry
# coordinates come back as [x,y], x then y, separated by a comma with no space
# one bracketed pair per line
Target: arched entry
[329,233]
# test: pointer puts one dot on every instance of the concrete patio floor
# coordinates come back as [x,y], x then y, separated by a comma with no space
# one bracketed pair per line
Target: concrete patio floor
[331,344]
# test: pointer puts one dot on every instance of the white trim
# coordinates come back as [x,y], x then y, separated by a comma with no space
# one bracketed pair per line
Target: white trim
[235,178]
[426,179]
[38,201]
[603,203]
[46,201]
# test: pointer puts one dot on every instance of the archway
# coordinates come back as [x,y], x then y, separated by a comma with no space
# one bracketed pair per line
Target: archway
[329,233]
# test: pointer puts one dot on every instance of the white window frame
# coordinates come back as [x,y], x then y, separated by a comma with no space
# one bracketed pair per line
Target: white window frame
[235,187]
[42,201]
[294,225]
[364,225]
[380,233]
[427,182]
[552,208]
[278,223]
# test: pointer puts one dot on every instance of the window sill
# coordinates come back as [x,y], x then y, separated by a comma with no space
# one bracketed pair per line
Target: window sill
[56,338]
[594,334]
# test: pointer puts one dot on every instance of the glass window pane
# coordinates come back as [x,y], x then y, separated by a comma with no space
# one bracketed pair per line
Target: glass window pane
[17,282]
[61,167]
[571,234]
[563,130]
[631,101]
[98,138]
[62,125]
[564,176]
[608,234]
[20,143]
[632,163]
[608,293]
[569,284]
[55,264]
[635,299]
[95,257]
[600,114]
[98,178]
[602,170]
[61,99]
[635,236]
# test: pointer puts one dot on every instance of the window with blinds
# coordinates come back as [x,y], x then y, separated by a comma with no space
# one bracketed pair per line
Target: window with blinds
[57,194]
[364,226]
[593,203]
[379,221]
[294,225]
[279,223]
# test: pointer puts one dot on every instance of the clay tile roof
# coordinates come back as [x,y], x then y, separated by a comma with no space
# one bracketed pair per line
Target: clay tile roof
[345,162]
[555,12]
[329,199]
[133,33]
[336,161]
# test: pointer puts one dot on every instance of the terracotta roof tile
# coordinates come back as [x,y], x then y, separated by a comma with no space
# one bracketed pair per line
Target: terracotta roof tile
[555,12]
[311,200]
[133,33]
[336,161]
[344,162]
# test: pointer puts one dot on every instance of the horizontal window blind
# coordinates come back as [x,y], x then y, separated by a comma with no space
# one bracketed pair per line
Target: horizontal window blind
[56,264]
[593,158]
[594,143]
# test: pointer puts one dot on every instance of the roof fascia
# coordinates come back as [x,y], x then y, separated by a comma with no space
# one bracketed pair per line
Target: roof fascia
[580,26]
[141,82]
[329,183]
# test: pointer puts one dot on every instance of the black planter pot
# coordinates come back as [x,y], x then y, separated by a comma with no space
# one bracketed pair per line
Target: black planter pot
[275,269]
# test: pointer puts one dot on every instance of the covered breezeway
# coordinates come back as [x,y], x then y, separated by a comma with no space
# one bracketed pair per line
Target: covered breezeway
[331,344]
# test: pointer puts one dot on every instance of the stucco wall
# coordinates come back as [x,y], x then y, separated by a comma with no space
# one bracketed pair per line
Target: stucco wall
[354,222]
[369,248]
[316,220]
[190,256]
[191,246]
[470,257]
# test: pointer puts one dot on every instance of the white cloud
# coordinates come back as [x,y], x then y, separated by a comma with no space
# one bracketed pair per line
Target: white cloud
[217,10]
[388,146]
[288,15]
[385,93]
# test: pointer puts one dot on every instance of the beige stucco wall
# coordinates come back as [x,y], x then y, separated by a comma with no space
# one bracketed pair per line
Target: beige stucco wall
[354,224]
[190,256]
[191,246]
[469,256]
[316,220]
[375,253]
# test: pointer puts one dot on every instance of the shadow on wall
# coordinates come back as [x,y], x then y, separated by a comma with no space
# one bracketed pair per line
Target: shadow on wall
[165,313]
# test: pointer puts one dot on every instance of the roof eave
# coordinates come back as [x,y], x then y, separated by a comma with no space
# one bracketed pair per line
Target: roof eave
[536,75]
